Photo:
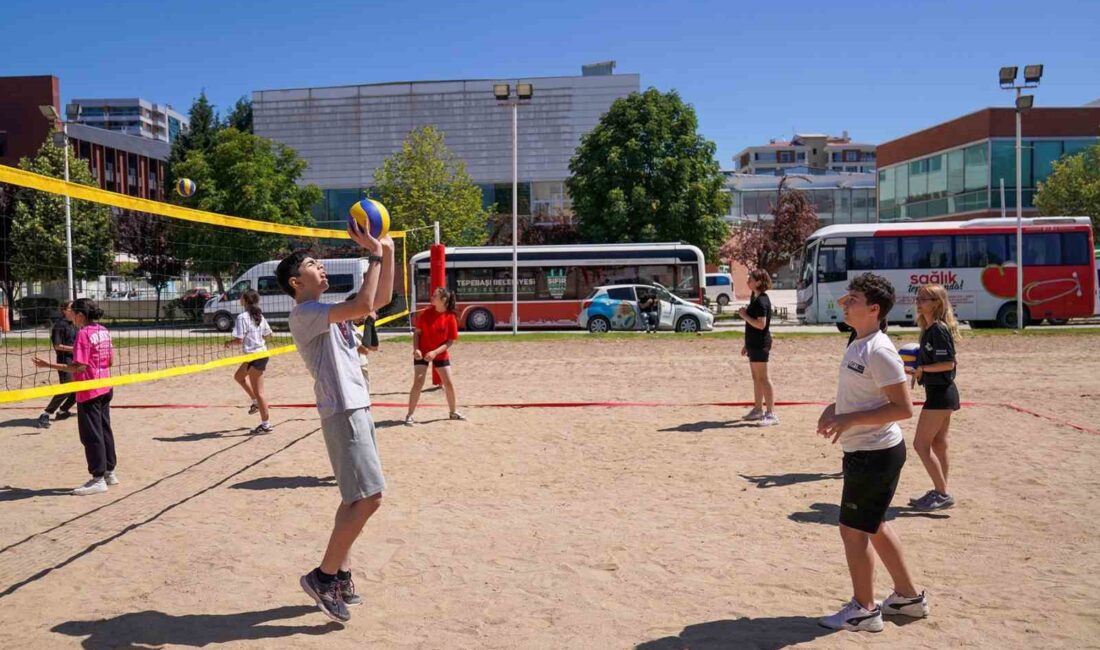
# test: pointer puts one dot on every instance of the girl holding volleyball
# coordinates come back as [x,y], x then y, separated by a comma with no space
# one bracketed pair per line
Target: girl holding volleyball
[936,372]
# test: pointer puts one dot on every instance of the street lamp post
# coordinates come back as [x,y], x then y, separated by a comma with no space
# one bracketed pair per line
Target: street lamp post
[1007,78]
[503,94]
[50,113]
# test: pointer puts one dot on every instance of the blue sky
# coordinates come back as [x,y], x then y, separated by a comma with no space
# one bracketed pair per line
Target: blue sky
[753,71]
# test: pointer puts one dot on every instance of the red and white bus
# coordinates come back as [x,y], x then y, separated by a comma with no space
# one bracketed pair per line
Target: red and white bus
[974,260]
[553,280]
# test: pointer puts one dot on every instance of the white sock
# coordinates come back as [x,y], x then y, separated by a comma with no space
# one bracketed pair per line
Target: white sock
[265,423]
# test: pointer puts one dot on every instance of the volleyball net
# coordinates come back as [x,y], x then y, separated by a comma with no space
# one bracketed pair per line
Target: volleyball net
[168,278]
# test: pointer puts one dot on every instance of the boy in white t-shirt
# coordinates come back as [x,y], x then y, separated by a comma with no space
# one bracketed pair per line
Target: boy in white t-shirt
[872,395]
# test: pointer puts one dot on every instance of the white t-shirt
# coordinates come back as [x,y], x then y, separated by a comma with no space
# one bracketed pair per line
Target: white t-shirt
[251,334]
[330,352]
[869,364]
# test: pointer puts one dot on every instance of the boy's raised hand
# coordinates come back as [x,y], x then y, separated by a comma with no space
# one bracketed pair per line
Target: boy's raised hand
[362,236]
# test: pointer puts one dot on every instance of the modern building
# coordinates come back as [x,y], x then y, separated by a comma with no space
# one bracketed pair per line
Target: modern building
[132,116]
[953,170]
[345,132]
[838,197]
[812,153]
[23,129]
[122,163]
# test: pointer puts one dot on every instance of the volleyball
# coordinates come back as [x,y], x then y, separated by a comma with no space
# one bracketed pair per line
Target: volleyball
[186,187]
[368,211]
[908,353]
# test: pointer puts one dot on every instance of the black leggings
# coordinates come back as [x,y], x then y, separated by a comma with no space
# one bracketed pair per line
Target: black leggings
[93,419]
[63,401]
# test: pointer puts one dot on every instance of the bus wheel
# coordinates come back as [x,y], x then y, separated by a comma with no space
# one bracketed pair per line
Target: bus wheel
[599,325]
[223,321]
[687,324]
[1006,316]
[480,320]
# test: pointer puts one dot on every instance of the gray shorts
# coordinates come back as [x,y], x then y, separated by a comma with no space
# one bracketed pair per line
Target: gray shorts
[349,438]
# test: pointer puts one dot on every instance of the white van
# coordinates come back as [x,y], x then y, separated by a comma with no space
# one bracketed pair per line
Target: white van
[345,276]
[720,288]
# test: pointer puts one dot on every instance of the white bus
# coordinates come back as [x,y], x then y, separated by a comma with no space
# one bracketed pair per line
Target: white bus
[974,260]
[553,280]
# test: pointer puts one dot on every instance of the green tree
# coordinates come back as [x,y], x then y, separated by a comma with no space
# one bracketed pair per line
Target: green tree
[425,182]
[38,249]
[240,117]
[644,174]
[247,176]
[1073,188]
[204,124]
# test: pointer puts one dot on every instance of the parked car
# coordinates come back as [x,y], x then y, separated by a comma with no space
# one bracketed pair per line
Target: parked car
[36,310]
[192,302]
[615,307]
[719,288]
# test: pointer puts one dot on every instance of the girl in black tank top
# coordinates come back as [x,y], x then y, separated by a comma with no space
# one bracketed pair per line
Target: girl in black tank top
[936,372]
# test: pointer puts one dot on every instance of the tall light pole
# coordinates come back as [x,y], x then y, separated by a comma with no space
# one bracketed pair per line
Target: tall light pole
[50,113]
[1007,78]
[503,94]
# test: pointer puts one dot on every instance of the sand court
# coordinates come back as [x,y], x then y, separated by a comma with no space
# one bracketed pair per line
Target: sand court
[673,526]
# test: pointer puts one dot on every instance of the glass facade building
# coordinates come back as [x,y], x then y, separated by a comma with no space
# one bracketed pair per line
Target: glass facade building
[967,179]
[837,198]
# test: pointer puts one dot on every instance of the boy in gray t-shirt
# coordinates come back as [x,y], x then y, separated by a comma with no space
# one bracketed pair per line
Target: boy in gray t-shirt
[323,334]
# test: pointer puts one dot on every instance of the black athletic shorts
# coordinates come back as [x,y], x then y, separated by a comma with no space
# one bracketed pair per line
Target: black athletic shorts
[436,363]
[943,397]
[759,355]
[259,364]
[870,479]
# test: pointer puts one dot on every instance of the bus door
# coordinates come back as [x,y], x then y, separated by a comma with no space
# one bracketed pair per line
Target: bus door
[831,280]
[807,306]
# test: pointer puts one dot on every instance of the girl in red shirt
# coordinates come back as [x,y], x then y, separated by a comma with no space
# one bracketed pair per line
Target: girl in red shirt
[435,332]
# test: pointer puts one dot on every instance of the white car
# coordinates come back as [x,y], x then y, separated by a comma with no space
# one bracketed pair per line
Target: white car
[720,288]
[615,307]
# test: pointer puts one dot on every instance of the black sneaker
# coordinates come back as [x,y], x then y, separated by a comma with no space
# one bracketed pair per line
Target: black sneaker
[43,421]
[254,409]
[327,597]
[346,589]
[262,428]
[63,415]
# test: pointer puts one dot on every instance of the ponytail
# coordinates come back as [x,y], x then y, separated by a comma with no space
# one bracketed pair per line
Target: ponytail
[448,298]
[252,306]
[87,308]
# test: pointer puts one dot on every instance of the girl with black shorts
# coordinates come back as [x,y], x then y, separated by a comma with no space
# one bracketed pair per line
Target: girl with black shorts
[936,372]
[758,345]
[251,332]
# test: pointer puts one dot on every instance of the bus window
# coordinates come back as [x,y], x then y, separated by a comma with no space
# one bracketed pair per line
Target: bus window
[687,286]
[926,252]
[831,264]
[806,276]
[663,274]
[1075,248]
[980,251]
[871,253]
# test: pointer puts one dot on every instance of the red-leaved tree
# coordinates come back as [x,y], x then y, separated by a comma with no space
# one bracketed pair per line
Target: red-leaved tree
[769,244]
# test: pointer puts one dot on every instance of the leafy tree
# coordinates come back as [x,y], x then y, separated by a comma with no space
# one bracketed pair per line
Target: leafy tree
[241,175]
[38,248]
[425,182]
[240,117]
[1073,188]
[644,174]
[147,239]
[204,124]
[769,244]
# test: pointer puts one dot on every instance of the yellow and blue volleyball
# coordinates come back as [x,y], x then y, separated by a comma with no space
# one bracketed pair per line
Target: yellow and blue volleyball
[186,187]
[908,354]
[369,211]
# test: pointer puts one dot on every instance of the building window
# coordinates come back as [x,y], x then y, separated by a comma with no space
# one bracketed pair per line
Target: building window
[785,157]
[851,156]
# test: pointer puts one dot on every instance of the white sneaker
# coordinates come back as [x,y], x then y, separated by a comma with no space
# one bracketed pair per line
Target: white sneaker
[753,415]
[911,607]
[94,486]
[769,420]
[854,618]
[110,478]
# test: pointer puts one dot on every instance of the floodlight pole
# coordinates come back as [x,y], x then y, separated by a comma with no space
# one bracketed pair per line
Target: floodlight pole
[1019,223]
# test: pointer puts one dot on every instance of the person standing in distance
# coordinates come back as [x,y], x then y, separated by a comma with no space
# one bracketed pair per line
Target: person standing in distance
[758,346]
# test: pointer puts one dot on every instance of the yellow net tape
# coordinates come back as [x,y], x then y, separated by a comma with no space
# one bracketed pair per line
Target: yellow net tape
[34,181]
